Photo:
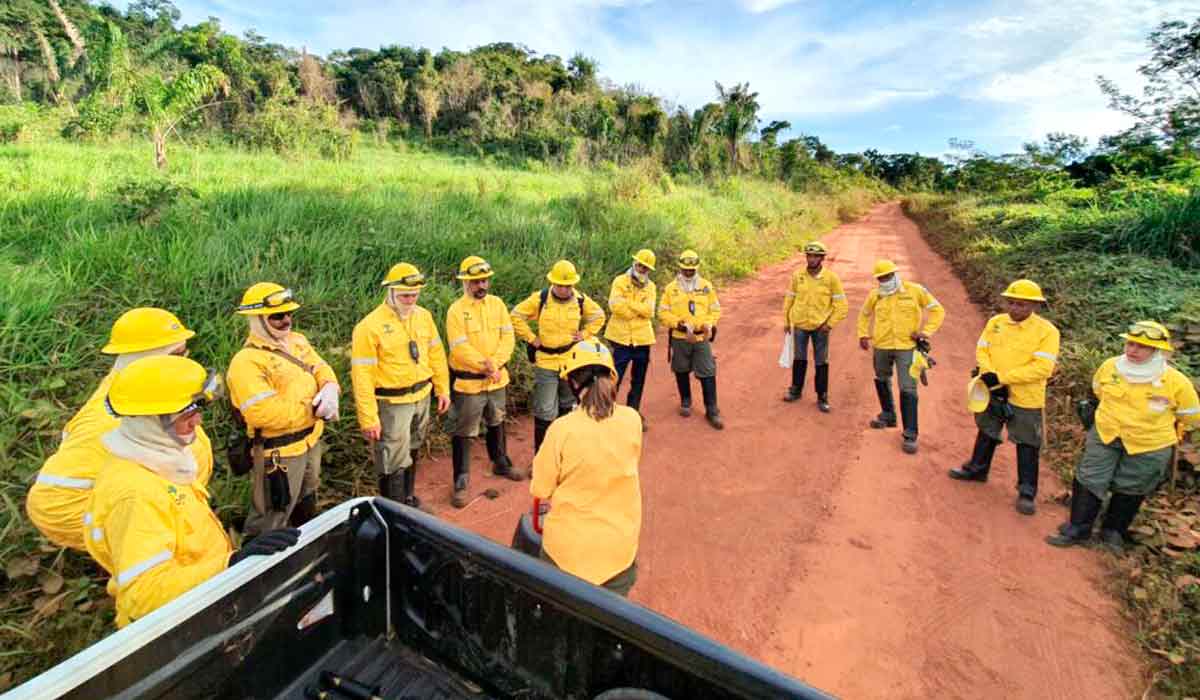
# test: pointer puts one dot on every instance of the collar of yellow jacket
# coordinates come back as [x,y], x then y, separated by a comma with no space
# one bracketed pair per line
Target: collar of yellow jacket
[1032,318]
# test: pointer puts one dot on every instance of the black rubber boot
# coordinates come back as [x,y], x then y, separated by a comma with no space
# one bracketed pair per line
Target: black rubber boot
[712,414]
[460,457]
[539,433]
[1027,479]
[408,479]
[1084,509]
[305,510]
[799,372]
[821,381]
[1122,509]
[908,416]
[684,381]
[391,486]
[497,447]
[977,468]
[887,409]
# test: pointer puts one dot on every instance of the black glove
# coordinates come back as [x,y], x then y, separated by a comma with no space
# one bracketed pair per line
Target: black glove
[267,543]
[974,372]
[990,379]
[923,345]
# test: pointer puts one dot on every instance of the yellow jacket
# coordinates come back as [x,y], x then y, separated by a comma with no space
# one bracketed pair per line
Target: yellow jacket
[1022,355]
[478,330]
[698,308]
[381,360]
[275,395]
[632,307]
[589,469]
[812,301]
[557,324]
[59,495]
[1144,415]
[897,316]
[156,539]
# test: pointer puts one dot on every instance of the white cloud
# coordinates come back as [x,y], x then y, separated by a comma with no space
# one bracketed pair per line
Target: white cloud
[760,6]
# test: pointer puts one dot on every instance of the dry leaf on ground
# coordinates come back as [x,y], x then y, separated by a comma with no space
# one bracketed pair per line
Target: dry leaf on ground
[19,568]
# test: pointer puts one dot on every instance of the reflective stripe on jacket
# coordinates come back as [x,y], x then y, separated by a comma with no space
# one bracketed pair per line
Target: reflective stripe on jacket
[275,395]
[382,359]
[1022,355]
[632,308]
[813,301]
[897,316]
[478,330]
[697,308]
[1143,415]
[557,323]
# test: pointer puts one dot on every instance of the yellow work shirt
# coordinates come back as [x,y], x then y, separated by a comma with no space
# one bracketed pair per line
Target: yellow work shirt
[813,301]
[557,324]
[1143,415]
[275,395]
[589,470]
[897,316]
[1022,355]
[60,493]
[478,330]
[156,539]
[698,307]
[382,359]
[632,308]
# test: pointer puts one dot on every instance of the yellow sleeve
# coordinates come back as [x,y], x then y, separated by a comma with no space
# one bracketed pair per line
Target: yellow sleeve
[714,305]
[864,315]
[461,351]
[508,341]
[204,461]
[260,404]
[1040,366]
[618,304]
[983,350]
[935,313]
[593,318]
[841,307]
[667,314]
[437,359]
[364,356]
[1187,405]
[1096,378]
[789,299]
[546,464]
[522,314]
[141,539]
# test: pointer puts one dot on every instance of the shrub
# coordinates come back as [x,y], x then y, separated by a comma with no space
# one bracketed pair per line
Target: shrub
[145,201]
[10,132]
[1074,197]
[291,129]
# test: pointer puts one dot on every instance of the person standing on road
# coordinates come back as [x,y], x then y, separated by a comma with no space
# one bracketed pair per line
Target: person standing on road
[59,495]
[814,304]
[589,470]
[1016,354]
[1129,448]
[284,392]
[896,307]
[564,316]
[631,332]
[397,363]
[480,335]
[691,310]
[148,522]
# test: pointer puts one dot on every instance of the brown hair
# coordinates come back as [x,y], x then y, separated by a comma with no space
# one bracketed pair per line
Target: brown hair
[599,396]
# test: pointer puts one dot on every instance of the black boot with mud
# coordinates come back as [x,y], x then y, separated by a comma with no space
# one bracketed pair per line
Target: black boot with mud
[887,409]
[796,390]
[977,468]
[497,447]
[1085,506]
[821,380]
[460,458]
[683,380]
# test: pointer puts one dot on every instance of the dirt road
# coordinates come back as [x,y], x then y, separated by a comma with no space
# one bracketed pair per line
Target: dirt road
[814,544]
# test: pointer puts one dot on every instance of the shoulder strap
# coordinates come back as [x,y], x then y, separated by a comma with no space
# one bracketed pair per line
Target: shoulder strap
[290,358]
[542,295]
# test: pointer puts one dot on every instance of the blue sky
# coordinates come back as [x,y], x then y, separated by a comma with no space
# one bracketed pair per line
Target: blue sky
[896,76]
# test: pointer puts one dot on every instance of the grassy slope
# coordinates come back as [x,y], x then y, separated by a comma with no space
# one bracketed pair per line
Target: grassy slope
[1093,296]
[72,258]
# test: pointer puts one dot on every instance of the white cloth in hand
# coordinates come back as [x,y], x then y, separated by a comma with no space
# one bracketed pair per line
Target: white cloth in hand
[325,403]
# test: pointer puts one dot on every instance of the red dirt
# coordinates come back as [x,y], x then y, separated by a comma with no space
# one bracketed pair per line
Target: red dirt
[812,543]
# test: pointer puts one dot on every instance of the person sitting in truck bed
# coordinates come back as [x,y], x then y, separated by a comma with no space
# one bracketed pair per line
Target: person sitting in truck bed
[588,467]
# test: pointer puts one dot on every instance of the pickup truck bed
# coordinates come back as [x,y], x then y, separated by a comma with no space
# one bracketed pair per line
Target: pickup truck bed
[400,672]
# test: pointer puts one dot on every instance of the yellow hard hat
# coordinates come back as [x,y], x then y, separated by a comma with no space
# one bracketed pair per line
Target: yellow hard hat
[1027,290]
[161,386]
[884,267]
[474,267]
[1149,333]
[646,257]
[563,273]
[145,328]
[266,298]
[919,364]
[585,353]
[978,395]
[689,260]
[815,248]
[404,277]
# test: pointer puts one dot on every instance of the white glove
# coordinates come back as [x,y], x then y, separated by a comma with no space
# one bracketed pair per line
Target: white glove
[325,403]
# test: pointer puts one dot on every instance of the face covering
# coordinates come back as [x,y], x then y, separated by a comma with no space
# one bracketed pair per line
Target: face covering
[688,284]
[1149,371]
[271,337]
[125,359]
[143,439]
[890,287]
[637,276]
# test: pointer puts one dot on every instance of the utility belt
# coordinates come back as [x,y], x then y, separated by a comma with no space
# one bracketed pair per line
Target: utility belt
[691,337]
[389,392]
[284,440]
[455,374]
[532,352]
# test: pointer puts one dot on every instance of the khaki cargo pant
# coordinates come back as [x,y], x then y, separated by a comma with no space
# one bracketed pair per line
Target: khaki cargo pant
[303,472]
[1109,467]
[403,430]
[467,410]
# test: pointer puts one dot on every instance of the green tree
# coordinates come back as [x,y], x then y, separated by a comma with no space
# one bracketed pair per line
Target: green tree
[739,116]
[165,104]
[429,97]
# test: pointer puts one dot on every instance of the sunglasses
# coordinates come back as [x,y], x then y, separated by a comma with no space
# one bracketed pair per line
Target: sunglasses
[1142,331]
[689,261]
[279,316]
[271,301]
[479,269]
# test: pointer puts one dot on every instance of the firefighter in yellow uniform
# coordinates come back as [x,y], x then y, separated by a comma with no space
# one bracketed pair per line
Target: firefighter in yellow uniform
[480,336]
[589,470]
[896,307]
[59,495]
[814,304]
[1145,405]
[285,392]
[564,316]
[148,522]
[1016,354]
[397,364]
[630,330]
[691,310]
